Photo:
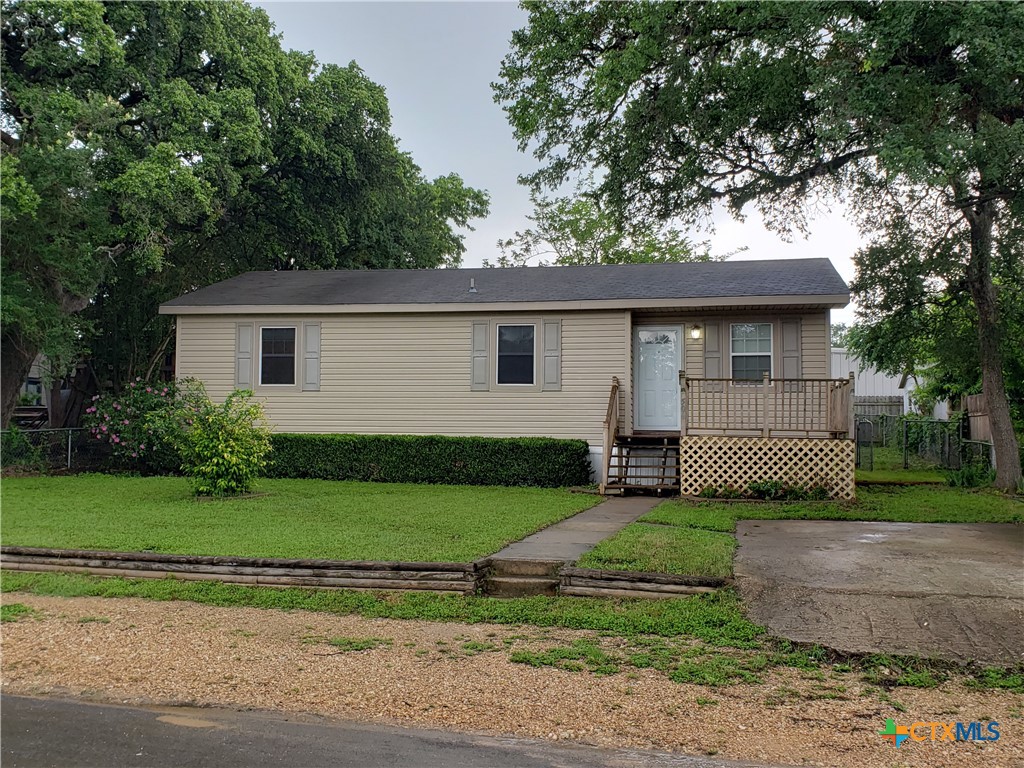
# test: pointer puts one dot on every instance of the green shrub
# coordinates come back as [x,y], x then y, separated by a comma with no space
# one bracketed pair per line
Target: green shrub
[817,492]
[720,492]
[223,447]
[529,461]
[16,450]
[131,422]
[769,490]
[972,475]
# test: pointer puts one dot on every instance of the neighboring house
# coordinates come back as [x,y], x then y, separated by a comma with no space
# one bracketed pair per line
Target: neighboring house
[644,361]
[879,393]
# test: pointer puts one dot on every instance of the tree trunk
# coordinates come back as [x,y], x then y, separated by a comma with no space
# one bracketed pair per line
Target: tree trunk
[16,358]
[979,280]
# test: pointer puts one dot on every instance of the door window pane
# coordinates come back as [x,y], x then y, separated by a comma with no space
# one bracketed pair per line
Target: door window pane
[515,354]
[277,356]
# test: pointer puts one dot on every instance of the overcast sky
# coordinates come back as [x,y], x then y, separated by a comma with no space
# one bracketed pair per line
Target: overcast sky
[436,61]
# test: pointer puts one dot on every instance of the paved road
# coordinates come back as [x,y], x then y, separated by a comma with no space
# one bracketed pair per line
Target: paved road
[52,732]
[955,591]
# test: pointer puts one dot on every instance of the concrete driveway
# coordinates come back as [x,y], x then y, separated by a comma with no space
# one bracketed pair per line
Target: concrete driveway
[951,591]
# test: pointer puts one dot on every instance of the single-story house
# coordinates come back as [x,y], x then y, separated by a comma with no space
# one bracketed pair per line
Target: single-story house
[719,369]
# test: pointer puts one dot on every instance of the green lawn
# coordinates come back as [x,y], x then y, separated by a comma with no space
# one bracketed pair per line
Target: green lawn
[664,549]
[297,519]
[695,538]
[887,467]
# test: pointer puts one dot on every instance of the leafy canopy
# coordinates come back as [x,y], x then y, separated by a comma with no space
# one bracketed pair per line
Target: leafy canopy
[151,148]
[683,105]
[575,230]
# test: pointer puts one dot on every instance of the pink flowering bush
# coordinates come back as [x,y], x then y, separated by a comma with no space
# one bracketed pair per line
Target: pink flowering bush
[132,422]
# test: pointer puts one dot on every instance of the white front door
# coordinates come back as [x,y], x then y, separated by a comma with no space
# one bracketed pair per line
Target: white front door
[656,377]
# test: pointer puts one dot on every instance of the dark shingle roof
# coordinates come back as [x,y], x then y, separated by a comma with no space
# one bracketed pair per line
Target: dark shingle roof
[790,277]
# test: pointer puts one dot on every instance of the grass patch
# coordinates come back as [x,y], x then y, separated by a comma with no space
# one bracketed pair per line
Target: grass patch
[474,647]
[297,519]
[580,655]
[903,504]
[15,612]
[887,467]
[716,670]
[353,644]
[994,677]
[94,620]
[664,549]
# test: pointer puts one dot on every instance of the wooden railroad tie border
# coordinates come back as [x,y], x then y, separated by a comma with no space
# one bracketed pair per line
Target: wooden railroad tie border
[461,578]
[588,582]
[457,578]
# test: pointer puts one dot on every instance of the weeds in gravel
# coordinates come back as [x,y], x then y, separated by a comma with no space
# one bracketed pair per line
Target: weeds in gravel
[352,644]
[15,611]
[473,647]
[703,639]
[580,655]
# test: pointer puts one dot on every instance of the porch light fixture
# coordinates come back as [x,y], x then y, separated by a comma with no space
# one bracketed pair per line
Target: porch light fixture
[694,331]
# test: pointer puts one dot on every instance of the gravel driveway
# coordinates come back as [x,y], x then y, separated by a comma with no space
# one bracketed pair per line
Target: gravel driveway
[439,675]
[935,590]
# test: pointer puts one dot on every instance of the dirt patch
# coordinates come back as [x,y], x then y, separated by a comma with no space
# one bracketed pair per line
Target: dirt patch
[459,676]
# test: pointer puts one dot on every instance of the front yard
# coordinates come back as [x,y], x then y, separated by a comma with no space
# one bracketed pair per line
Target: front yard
[696,538]
[303,519]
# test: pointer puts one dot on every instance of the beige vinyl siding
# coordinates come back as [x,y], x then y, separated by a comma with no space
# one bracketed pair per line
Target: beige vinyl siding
[815,345]
[410,374]
[693,353]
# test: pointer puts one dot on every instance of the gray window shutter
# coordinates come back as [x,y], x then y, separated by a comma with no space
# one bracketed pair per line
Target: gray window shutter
[311,357]
[552,356]
[243,356]
[791,349]
[714,354]
[713,343]
[478,357]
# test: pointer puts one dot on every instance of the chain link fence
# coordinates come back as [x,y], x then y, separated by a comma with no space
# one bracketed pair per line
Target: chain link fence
[918,443]
[50,450]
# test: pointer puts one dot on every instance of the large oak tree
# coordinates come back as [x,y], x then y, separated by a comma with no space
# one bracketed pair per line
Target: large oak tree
[907,112]
[151,148]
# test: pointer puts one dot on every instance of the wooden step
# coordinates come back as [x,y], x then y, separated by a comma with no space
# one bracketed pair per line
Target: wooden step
[519,586]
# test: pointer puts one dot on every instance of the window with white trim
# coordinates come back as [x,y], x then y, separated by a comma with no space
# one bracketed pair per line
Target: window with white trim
[516,351]
[277,356]
[750,346]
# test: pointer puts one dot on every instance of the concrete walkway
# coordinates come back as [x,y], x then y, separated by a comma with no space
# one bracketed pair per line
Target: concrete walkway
[570,538]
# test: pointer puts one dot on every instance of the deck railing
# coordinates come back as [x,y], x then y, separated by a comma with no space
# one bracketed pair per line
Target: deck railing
[611,427]
[768,408]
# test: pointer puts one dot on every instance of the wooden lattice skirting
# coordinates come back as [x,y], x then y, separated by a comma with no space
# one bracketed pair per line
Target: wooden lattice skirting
[712,460]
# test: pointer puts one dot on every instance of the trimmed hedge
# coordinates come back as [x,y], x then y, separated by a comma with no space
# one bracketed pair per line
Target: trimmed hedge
[531,461]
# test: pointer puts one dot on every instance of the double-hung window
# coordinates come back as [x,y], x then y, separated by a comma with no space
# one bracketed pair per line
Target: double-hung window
[277,356]
[751,350]
[515,354]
